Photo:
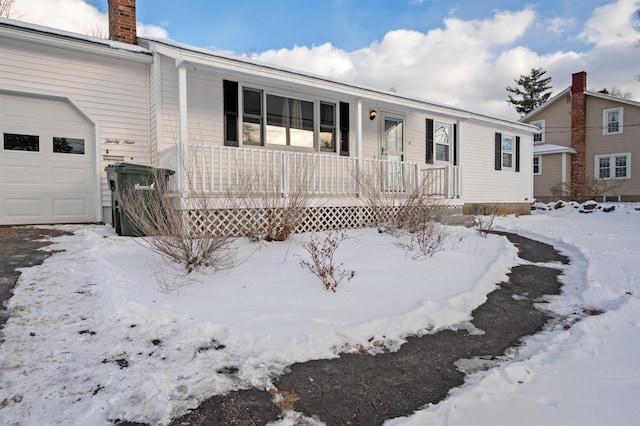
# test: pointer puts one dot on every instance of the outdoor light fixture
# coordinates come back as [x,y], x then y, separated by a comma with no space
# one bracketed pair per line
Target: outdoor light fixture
[372,114]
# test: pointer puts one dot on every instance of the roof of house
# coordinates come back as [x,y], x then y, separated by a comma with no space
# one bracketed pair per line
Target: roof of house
[566,91]
[191,54]
[548,148]
[53,37]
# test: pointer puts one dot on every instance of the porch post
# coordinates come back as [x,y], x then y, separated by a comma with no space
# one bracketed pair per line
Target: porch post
[358,145]
[564,170]
[183,128]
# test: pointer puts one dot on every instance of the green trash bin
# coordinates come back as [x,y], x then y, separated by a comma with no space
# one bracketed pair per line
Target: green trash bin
[123,177]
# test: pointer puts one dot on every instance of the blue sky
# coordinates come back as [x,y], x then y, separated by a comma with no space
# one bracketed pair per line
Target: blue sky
[461,53]
[241,26]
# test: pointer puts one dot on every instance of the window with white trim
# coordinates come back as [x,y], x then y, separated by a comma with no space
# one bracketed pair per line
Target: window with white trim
[252,116]
[612,121]
[538,137]
[269,119]
[537,165]
[507,151]
[616,166]
[442,139]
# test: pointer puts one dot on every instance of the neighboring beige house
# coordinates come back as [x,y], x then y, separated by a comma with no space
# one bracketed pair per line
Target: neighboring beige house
[589,146]
[70,105]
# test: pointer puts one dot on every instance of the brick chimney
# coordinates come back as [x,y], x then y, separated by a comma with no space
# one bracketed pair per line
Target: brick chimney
[122,21]
[578,134]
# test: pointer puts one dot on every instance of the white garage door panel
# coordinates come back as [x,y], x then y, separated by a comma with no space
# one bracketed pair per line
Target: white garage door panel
[51,208]
[21,175]
[70,207]
[40,185]
[71,176]
[22,208]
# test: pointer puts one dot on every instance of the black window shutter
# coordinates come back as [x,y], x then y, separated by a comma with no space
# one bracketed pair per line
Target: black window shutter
[344,129]
[517,153]
[230,104]
[498,151]
[429,158]
[455,144]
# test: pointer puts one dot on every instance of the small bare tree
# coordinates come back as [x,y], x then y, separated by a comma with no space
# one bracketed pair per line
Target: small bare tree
[159,219]
[411,211]
[484,220]
[594,189]
[322,263]
[7,10]
[274,199]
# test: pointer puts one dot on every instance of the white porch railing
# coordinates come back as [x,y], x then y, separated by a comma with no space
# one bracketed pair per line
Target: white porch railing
[220,170]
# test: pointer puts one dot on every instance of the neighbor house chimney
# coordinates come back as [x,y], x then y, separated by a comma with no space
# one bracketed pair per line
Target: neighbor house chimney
[578,134]
[122,21]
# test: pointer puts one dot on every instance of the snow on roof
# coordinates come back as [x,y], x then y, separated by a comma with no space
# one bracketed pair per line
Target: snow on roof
[33,28]
[549,148]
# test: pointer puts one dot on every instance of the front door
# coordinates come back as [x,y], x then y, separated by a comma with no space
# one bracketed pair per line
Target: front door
[392,152]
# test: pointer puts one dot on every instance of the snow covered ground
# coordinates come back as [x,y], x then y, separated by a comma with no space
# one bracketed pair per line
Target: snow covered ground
[92,339]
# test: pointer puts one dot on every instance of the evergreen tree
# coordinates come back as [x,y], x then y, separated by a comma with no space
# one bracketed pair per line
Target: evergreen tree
[534,90]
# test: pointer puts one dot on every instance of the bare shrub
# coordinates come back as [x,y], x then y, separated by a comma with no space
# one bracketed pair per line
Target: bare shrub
[160,221]
[593,189]
[411,208]
[483,223]
[275,201]
[322,263]
[397,204]
[427,240]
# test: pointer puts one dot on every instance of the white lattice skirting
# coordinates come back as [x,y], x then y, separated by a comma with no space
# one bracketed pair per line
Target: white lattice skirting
[244,221]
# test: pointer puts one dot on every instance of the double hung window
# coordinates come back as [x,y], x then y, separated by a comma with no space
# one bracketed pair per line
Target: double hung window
[442,140]
[612,121]
[507,151]
[615,166]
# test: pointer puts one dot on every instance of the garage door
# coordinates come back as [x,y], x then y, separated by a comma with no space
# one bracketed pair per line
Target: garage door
[47,162]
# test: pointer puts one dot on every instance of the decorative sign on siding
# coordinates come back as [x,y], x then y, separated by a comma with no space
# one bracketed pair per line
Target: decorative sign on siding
[113,141]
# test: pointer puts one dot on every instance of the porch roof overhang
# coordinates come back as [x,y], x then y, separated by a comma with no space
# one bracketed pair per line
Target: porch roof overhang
[305,82]
[552,149]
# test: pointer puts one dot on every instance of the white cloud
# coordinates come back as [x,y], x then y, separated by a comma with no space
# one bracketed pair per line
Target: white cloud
[468,64]
[151,31]
[560,25]
[611,24]
[75,16]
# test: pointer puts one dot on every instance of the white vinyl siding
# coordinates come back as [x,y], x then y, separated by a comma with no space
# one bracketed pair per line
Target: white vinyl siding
[480,181]
[113,92]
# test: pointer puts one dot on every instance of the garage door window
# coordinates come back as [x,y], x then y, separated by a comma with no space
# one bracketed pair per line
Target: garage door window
[68,145]
[16,142]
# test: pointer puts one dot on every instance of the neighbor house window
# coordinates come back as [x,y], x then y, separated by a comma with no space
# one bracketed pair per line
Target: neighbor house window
[507,151]
[615,166]
[252,116]
[537,165]
[68,145]
[612,121]
[17,142]
[327,127]
[538,137]
[442,139]
[289,122]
